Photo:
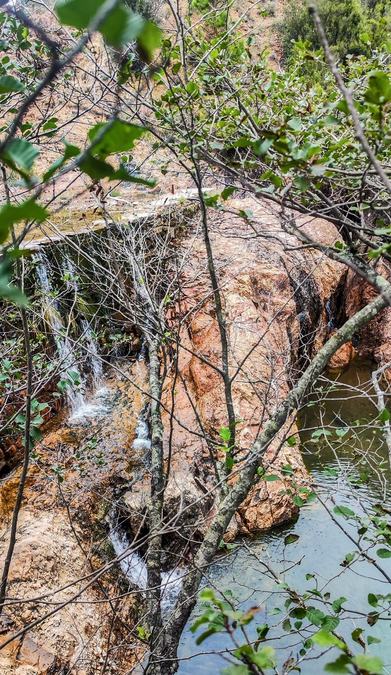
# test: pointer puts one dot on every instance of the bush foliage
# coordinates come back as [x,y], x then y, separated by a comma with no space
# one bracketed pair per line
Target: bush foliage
[351,26]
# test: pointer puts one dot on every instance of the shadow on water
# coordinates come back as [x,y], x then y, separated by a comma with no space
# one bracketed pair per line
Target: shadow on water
[349,466]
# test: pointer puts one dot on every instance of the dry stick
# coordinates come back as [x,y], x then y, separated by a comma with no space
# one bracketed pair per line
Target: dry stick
[26,460]
[381,405]
[219,311]
[359,131]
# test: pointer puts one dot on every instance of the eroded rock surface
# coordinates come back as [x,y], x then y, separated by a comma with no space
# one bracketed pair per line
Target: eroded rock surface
[62,554]
[275,299]
[374,340]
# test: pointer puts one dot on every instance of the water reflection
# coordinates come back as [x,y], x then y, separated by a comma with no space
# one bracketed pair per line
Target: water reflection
[349,467]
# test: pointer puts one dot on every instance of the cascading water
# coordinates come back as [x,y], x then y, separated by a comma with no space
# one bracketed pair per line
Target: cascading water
[88,336]
[93,353]
[68,359]
[98,403]
[134,567]
[142,440]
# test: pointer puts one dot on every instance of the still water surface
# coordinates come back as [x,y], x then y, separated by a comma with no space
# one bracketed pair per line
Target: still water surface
[352,470]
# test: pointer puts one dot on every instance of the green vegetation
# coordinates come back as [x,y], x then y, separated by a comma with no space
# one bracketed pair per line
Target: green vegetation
[351,26]
[207,104]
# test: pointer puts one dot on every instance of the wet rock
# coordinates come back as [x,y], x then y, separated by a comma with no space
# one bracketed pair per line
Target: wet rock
[374,340]
[342,357]
[266,337]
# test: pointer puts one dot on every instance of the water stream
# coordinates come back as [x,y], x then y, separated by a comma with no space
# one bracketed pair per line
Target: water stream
[356,476]
[86,396]
[51,310]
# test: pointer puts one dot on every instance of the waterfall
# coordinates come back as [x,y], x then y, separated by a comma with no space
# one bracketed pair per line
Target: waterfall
[143,439]
[93,353]
[68,359]
[134,568]
[133,565]
[96,366]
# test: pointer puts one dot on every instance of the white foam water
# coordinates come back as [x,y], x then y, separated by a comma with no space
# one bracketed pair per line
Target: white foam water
[133,566]
[142,440]
[98,405]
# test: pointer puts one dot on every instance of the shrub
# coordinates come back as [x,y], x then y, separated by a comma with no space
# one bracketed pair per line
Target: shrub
[343,20]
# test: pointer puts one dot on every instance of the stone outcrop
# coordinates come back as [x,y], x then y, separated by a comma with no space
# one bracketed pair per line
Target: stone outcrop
[62,540]
[275,299]
[374,341]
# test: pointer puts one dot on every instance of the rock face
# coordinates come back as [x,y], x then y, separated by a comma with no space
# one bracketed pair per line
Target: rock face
[342,357]
[373,341]
[46,556]
[274,301]
[62,543]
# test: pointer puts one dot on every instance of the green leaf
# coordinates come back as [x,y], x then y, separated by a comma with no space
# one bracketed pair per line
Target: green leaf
[344,511]
[385,415]
[262,146]
[262,631]
[20,155]
[225,434]
[149,39]
[10,214]
[319,433]
[7,290]
[371,664]
[207,595]
[325,639]
[295,123]
[338,666]
[227,192]
[379,89]
[337,604]
[291,539]
[383,552]
[372,600]
[342,431]
[265,658]
[287,470]
[120,27]
[236,670]
[298,612]
[291,441]
[113,137]
[315,616]
[70,151]
[207,633]
[229,462]
[373,640]
[8,84]
[98,169]
[330,623]
[211,200]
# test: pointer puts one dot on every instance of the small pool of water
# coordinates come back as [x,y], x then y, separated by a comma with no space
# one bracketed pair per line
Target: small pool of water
[349,467]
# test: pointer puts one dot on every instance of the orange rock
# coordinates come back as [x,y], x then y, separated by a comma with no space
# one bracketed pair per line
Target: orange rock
[342,357]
